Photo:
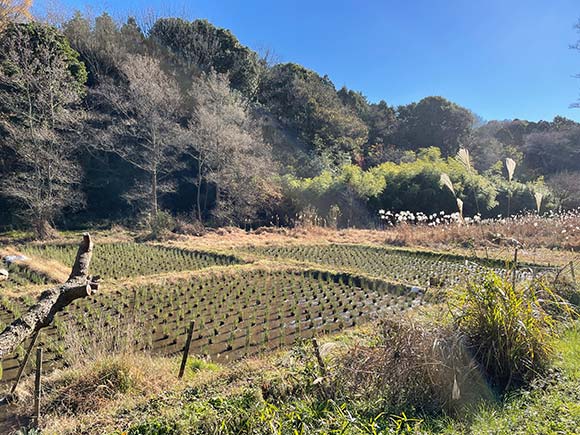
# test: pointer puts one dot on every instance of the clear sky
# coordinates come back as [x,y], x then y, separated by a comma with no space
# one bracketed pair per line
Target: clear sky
[503,59]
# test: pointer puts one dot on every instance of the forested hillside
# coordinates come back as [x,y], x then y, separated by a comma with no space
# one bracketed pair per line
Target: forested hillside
[104,122]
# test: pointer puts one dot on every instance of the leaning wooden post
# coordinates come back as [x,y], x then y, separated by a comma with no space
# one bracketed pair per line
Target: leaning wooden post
[24,362]
[321,381]
[321,364]
[186,350]
[37,387]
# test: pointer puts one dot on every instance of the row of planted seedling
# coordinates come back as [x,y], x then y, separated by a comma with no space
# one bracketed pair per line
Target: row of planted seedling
[20,275]
[225,305]
[122,260]
[235,314]
[416,268]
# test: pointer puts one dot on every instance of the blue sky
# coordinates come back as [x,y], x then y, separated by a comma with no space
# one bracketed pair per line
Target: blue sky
[503,59]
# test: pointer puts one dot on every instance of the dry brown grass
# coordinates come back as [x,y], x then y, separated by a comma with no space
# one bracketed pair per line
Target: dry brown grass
[531,231]
[547,235]
[541,241]
[74,397]
[544,245]
[105,373]
[54,270]
[231,238]
[91,398]
[416,365]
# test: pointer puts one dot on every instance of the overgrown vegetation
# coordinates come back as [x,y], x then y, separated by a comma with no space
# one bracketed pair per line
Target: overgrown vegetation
[508,328]
[408,374]
[183,119]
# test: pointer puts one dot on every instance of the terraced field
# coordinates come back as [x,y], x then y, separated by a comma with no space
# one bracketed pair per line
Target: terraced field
[409,267]
[20,276]
[237,313]
[123,260]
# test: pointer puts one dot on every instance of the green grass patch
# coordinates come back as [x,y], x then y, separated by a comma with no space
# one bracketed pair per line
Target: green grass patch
[200,364]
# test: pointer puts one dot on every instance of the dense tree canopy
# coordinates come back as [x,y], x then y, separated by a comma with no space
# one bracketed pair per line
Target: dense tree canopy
[199,46]
[182,118]
[434,122]
[102,44]
[308,104]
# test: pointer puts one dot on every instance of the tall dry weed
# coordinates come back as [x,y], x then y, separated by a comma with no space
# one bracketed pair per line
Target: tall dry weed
[414,366]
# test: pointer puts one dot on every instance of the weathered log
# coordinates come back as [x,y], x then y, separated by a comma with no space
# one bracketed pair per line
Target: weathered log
[79,284]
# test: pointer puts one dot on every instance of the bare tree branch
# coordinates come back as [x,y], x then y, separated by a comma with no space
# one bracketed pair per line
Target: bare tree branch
[80,284]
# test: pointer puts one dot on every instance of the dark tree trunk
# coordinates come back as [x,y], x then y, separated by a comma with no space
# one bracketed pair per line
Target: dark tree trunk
[198,197]
[155,204]
[43,230]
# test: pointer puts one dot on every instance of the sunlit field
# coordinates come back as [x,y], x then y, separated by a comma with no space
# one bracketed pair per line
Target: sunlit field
[293,218]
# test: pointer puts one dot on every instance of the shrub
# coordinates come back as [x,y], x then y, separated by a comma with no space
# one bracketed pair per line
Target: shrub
[508,329]
[162,224]
[84,391]
[189,226]
[154,427]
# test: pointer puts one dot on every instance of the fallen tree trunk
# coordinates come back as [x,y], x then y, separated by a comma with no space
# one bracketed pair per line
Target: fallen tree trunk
[79,284]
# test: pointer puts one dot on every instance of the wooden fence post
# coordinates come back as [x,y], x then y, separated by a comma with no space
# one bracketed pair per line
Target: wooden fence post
[186,350]
[573,273]
[321,364]
[37,387]
[24,362]
[515,268]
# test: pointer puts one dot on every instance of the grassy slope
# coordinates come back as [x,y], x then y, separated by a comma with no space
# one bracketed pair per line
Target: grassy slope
[230,395]
[552,407]
[278,394]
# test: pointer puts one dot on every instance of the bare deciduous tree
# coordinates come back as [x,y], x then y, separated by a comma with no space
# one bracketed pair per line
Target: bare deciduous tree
[144,130]
[231,153]
[38,111]
[565,187]
[12,10]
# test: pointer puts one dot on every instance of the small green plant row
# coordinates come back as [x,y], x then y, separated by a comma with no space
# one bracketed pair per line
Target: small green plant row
[123,260]
[19,275]
[235,314]
[413,268]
